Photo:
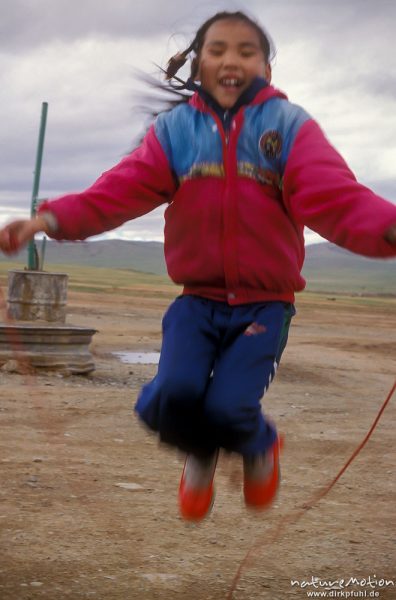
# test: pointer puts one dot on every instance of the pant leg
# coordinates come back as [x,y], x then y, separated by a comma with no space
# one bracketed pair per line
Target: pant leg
[255,340]
[172,403]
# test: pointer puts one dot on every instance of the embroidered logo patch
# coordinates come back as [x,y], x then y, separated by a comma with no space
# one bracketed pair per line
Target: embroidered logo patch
[255,329]
[271,144]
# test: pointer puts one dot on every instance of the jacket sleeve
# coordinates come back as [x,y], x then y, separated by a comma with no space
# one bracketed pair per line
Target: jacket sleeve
[139,183]
[320,191]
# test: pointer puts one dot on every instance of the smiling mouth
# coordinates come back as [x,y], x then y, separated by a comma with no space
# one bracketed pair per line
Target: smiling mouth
[230,82]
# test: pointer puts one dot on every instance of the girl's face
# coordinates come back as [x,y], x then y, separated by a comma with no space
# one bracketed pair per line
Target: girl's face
[231,57]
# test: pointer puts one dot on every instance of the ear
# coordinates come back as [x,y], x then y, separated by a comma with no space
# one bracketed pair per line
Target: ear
[268,73]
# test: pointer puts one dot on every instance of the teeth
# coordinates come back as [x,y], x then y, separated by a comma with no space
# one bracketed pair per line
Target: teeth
[230,82]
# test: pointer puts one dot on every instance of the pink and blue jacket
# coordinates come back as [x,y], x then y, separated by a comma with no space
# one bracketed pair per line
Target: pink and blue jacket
[237,198]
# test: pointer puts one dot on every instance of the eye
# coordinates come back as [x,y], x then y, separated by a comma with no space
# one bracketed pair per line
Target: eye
[248,53]
[215,52]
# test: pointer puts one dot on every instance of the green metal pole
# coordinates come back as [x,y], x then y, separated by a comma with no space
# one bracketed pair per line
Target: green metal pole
[32,250]
[42,254]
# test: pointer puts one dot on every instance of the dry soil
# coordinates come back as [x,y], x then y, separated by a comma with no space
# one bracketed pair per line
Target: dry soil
[70,528]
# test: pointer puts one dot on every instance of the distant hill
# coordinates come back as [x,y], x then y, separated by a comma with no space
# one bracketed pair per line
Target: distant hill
[327,267]
[118,254]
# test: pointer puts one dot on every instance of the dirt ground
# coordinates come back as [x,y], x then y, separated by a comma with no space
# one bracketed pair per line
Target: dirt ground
[68,530]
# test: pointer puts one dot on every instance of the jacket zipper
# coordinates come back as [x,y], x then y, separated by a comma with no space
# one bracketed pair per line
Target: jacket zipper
[225,138]
[231,269]
[226,131]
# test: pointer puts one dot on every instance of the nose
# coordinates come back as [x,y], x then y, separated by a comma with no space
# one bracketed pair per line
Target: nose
[230,58]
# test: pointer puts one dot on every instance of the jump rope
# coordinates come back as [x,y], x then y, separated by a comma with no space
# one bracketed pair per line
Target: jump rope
[286,521]
[294,516]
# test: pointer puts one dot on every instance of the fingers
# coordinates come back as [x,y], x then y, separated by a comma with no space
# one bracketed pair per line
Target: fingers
[15,235]
[8,244]
[13,243]
[390,235]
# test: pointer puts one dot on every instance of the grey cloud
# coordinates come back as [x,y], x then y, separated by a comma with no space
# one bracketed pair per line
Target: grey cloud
[28,23]
[332,48]
[379,83]
[385,188]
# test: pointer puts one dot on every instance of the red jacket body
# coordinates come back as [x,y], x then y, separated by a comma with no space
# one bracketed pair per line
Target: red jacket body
[237,200]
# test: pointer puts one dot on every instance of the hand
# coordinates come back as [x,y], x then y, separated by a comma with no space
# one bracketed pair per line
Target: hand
[16,234]
[390,235]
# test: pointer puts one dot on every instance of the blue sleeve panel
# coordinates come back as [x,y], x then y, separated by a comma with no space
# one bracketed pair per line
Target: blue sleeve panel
[188,137]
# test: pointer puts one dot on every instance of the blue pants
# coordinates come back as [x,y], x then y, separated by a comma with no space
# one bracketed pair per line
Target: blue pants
[216,363]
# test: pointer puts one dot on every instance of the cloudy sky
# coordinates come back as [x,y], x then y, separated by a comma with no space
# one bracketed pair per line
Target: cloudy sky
[334,57]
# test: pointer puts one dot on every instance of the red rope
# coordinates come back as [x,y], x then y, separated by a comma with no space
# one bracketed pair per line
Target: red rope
[288,519]
[295,516]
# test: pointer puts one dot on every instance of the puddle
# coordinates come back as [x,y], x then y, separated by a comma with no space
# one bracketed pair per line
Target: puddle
[142,358]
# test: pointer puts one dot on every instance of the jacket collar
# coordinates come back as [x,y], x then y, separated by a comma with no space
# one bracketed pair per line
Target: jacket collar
[259,91]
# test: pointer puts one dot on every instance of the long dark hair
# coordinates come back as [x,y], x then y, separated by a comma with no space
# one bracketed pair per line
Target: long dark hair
[177,90]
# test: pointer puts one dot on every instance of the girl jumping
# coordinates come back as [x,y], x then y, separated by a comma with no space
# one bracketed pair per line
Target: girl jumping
[242,171]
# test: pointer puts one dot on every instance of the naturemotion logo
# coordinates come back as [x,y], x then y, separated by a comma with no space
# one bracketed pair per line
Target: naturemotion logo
[348,587]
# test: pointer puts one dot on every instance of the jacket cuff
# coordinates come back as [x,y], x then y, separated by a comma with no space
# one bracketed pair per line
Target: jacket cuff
[50,220]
